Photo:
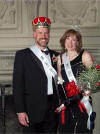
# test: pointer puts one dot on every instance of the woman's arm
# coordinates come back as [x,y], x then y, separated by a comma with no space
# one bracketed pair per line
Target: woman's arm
[59,66]
[87,59]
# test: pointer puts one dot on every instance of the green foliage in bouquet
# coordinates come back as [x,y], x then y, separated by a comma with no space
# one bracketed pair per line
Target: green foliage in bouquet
[90,77]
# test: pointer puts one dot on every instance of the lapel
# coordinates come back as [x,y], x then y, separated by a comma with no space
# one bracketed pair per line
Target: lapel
[37,60]
[52,55]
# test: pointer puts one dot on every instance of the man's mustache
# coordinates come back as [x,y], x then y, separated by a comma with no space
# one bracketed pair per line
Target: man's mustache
[43,39]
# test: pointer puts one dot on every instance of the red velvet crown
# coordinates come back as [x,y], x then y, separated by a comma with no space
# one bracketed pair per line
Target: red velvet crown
[41,22]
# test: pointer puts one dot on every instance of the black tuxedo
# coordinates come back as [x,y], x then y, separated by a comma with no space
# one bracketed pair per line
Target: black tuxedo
[30,85]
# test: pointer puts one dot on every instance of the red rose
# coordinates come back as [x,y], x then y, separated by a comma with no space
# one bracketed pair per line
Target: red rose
[72,89]
[99,84]
[54,59]
[97,67]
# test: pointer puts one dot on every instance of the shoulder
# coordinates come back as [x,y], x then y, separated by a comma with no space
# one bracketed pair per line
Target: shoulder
[22,52]
[87,58]
[20,55]
[86,54]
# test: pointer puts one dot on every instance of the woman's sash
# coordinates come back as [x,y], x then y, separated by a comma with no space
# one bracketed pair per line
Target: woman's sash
[68,68]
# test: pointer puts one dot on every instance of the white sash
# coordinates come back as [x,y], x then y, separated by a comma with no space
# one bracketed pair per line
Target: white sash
[51,71]
[88,106]
[68,69]
[71,77]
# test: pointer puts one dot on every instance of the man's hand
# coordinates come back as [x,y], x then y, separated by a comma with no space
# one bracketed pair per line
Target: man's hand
[23,118]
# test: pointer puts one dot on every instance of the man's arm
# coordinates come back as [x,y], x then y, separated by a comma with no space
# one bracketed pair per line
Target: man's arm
[18,89]
[18,83]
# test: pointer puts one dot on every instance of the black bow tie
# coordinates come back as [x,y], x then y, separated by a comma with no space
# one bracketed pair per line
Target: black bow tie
[46,52]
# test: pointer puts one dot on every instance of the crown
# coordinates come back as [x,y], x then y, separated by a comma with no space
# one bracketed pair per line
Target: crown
[41,22]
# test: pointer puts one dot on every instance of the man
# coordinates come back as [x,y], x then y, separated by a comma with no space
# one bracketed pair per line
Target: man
[34,82]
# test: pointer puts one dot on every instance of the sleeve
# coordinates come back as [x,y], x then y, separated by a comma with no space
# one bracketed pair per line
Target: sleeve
[73,99]
[18,83]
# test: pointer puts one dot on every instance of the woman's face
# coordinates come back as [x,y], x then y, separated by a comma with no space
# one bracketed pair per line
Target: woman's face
[71,43]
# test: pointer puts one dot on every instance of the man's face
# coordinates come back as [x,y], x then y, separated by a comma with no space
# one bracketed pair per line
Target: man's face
[41,36]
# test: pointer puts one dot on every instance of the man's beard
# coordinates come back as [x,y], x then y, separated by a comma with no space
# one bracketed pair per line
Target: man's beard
[42,44]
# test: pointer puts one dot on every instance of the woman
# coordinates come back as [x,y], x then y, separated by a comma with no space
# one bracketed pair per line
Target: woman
[70,64]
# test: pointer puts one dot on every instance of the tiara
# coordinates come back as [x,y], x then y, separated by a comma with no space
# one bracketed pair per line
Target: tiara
[76,28]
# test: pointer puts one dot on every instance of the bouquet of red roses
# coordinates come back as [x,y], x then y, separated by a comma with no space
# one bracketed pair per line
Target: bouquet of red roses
[89,78]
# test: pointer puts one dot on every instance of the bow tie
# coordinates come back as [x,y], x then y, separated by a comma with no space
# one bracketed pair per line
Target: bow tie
[46,52]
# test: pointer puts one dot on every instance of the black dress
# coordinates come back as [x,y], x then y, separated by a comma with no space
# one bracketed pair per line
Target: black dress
[75,120]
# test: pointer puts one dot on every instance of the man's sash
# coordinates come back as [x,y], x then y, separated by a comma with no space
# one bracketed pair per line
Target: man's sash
[51,71]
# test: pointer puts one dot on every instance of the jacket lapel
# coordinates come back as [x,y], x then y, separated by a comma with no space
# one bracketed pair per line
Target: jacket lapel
[51,56]
[37,60]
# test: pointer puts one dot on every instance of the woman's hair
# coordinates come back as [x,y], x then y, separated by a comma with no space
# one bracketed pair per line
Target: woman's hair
[71,32]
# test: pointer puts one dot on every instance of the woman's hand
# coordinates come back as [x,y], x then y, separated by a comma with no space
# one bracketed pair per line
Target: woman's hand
[59,108]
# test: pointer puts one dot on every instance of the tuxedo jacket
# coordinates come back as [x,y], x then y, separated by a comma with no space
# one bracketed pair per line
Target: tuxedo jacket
[30,84]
